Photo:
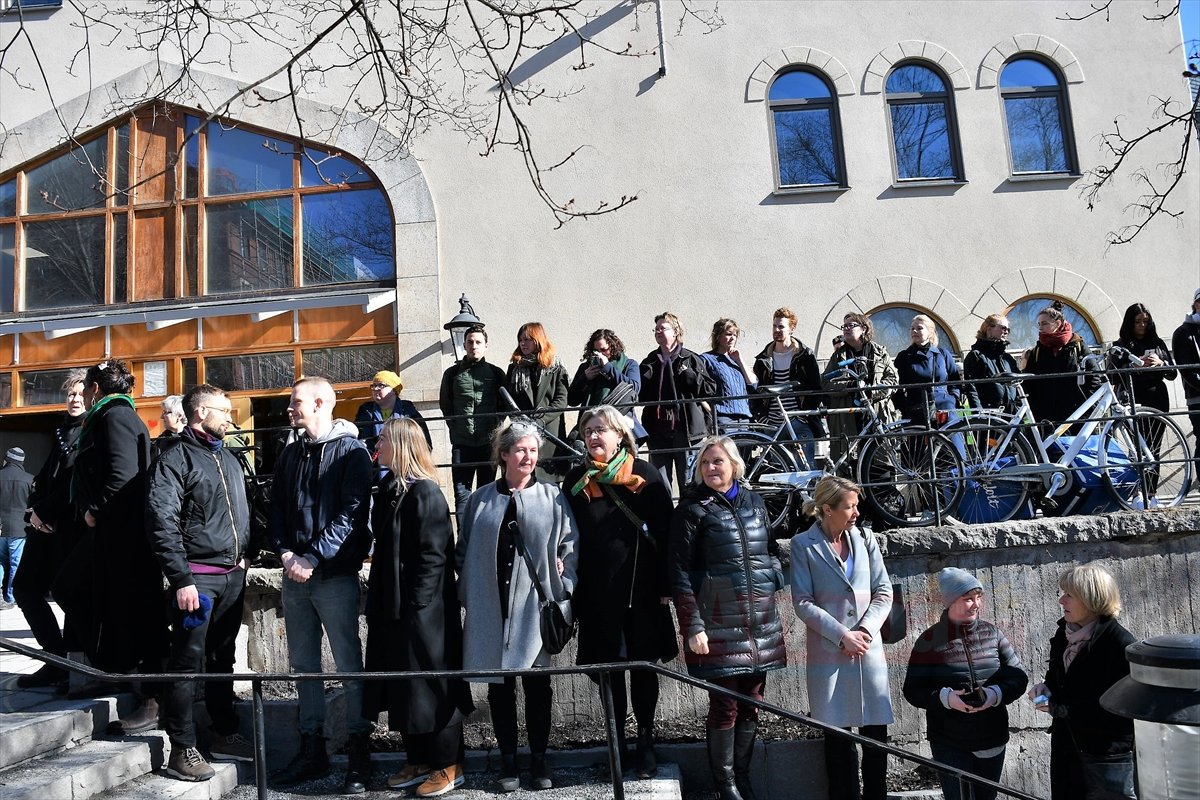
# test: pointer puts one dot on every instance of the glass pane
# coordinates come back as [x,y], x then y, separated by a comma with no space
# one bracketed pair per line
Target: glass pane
[120,258]
[121,167]
[241,161]
[254,371]
[70,182]
[8,265]
[64,263]
[43,387]
[8,198]
[1026,72]
[914,78]
[349,364]
[191,250]
[191,157]
[189,374]
[348,236]
[798,85]
[892,325]
[922,141]
[322,169]
[5,390]
[1023,319]
[804,141]
[250,246]
[1035,134]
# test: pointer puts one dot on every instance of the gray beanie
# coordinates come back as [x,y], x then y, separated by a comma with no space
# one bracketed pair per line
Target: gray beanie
[953,583]
[15,455]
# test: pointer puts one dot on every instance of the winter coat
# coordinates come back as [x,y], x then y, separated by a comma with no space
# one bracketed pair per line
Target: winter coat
[623,571]
[196,509]
[320,500]
[925,364]
[731,382]
[1055,399]
[1075,692]
[15,487]
[588,394]
[51,497]
[1150,388]
[547,526]
[470,392]
[549,390]
[877,371]
[1185,345]
[804,371]
[725,575]
[939,660]
[840,691]
[413,616]
[988,358]
[369,420]
[687,378]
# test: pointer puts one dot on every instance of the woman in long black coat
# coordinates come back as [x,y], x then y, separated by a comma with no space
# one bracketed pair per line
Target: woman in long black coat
[623,512]
[412,613]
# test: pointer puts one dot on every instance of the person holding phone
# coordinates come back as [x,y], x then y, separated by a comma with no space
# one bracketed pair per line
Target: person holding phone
[734,378]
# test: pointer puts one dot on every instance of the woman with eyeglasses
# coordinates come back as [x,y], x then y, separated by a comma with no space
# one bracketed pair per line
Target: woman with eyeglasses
[987,358]
[925,361]
[1058,351]
[385,404]
[605,367]
[537,379]
[623,514]
[875,369]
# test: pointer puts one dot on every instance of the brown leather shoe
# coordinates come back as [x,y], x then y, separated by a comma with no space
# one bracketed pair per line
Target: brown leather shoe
[144,718]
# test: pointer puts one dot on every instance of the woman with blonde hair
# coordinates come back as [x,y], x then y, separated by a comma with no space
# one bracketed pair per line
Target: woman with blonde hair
[988,358]
[412,613]
[537,379]
[1091,749]
[925,361]
[842,593]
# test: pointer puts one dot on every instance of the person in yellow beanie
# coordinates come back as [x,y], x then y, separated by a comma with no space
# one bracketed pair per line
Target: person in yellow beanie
[385,404]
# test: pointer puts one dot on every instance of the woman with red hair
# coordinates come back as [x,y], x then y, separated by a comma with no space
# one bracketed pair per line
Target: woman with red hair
[538,380]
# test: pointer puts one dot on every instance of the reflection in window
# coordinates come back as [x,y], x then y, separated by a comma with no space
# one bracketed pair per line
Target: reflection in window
[1022,318]
[808,148]
[8,199]
[43,387]
[348,236]
[191,157]
[891,328]
[64,263]
[322,169]
[8,265]
[121,167]
[73,181]
[241,161]
[349,364]
[1035,117]
[252,371]
[120,258]
[924,140]
[250,245]
[6,390]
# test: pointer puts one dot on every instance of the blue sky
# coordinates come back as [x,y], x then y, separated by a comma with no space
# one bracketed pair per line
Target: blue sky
[1189,10]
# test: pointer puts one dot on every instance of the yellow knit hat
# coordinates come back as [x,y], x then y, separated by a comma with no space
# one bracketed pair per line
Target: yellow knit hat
[392,379]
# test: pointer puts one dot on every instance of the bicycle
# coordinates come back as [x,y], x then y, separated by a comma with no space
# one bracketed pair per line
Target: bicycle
[903,468]
[1140,456]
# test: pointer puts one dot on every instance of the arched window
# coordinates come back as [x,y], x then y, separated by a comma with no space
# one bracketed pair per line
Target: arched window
[1022,319]
[1036,118]
[924,133]
[807,133]
[891,328]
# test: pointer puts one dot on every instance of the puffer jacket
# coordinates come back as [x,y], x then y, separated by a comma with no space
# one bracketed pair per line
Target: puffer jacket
[470,392]
[988,358]
[196,509]
[320,500]
[725,575]
[940,659]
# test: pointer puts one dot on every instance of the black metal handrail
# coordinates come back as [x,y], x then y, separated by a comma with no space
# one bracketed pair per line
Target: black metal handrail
[256,679]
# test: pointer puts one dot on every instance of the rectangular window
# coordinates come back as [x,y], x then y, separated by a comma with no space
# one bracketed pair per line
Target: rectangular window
[120,258]
[43,387]
[154,259]
[190,380]
[249,245]
[191,157]
[6,390]
[8,265]
[121,167]
[64,263]
[191,247]
[1035,134]
[253,371]
[75,180]
[241,161]
[8,198]
[806,149]
[922,141]
[348,236]
[349,364]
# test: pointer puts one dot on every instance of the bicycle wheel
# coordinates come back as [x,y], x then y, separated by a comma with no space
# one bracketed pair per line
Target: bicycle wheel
[988,495]
[1145,461]
[765,459]
[896,476]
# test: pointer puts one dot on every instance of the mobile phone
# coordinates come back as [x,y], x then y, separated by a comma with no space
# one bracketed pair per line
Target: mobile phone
[595,360]
[1041,700]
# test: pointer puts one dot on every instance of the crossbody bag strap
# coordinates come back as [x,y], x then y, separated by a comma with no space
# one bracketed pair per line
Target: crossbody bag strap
[533,574]
[643,529]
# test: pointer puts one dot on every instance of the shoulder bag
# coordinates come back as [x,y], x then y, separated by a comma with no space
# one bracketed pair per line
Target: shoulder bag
[895,627]
[556,619]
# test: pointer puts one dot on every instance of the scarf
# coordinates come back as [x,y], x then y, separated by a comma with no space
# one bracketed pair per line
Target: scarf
[84,440]
[597,391]
[667,412]
[525,375]
[617,472]
[1055,342]
[204,438]
[1077,638]
[1193,318]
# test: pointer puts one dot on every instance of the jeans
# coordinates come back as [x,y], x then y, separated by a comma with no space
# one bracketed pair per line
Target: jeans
[207,648]
[968,762]
[724,712]
[330,602]
[11,548]
[467,479]
[802,432]
[841,766]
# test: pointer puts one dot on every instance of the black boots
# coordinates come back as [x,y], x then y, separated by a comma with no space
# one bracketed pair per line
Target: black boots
[744,734]
[310,762]
[720,761]
[647,760]
[539,770]
[358,767]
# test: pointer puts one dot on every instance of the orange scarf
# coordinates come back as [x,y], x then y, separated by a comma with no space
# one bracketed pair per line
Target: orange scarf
[618,472]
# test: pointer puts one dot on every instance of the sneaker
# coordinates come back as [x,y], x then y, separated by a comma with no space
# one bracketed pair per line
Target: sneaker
[233,747]
[410,775]
[441,781]
[187,764]
[509,779]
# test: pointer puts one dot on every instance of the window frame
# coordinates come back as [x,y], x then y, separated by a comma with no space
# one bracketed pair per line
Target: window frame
[1059,92]
[835,117]
[946,97]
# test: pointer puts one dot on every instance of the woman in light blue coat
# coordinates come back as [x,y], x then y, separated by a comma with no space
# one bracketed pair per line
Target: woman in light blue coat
[842,592]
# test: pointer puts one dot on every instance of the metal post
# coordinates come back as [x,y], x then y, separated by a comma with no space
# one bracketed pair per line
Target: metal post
[610,720]
[260,740]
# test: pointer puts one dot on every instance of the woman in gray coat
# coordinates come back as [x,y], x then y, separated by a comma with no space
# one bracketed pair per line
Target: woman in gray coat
[842,592]
[505,526]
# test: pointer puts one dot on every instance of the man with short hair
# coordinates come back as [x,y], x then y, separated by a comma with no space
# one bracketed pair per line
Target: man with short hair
[787,360]
[198,522]
[320,502]
[15,487]
[470,399]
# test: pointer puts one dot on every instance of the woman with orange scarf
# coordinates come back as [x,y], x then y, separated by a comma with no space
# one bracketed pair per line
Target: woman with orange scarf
[623,514]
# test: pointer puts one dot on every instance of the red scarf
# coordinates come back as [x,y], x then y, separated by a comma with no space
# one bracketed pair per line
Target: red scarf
[1055,342]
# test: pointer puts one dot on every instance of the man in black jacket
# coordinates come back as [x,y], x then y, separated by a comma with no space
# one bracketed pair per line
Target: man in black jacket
[198,522]
[1185,347]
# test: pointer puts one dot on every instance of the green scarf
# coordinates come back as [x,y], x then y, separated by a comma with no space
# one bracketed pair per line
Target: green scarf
[84,440]
[597,393]
[617,472]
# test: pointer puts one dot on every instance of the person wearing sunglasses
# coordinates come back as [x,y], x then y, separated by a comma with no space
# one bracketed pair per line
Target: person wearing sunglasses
[857,341]
[987,358]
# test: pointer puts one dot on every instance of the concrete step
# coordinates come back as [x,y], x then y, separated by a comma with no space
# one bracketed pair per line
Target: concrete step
[159,786]
[47,724]
[86,770]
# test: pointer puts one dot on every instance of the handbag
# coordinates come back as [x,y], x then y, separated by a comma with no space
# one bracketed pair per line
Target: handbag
[895,627]
[556,619]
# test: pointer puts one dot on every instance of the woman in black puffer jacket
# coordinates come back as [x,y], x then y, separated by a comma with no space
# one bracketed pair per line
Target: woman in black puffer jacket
[964,672]
[725,574]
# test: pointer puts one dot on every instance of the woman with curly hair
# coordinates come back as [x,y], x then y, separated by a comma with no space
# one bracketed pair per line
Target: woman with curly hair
[603,369]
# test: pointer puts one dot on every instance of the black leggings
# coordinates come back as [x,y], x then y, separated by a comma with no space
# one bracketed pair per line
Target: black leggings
[643,691]
[841,766]
[502,697]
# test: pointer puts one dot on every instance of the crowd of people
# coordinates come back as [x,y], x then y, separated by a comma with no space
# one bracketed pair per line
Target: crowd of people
[111,508]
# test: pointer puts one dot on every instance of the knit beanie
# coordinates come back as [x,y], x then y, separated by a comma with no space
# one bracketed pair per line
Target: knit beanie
[15,455]
[953,583]
[386,376]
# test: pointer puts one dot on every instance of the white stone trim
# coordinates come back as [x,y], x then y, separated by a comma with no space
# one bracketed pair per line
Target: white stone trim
[882,63]
[1080,292]
[906,290]
[769,67]
[1002,51]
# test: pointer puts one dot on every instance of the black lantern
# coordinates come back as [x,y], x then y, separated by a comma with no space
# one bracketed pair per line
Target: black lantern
[458,326]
